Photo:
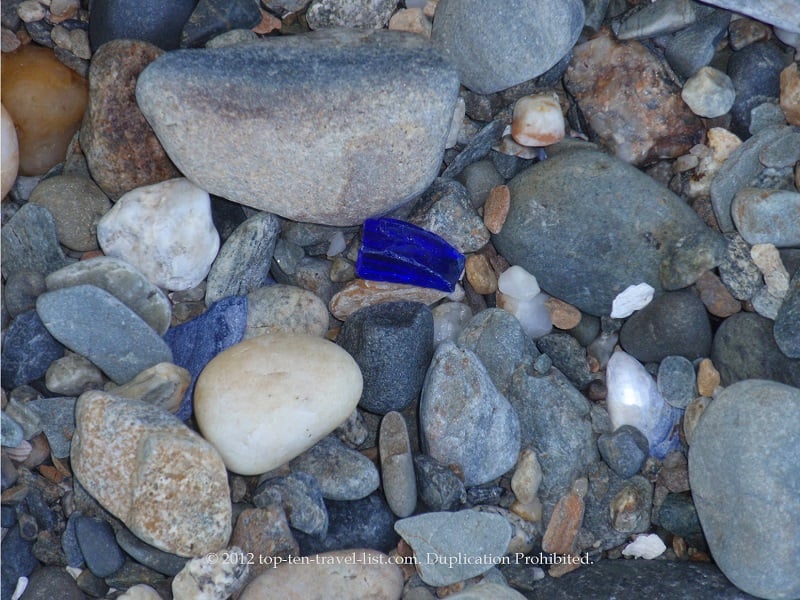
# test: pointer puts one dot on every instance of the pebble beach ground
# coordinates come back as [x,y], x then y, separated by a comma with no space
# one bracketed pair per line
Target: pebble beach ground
[400,299]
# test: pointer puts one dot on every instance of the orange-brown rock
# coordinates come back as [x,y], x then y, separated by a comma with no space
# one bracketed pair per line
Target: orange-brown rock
[495,210]
[559,538]
[480,274]
[715,296]
[790,94]
[563,315]
[707,378]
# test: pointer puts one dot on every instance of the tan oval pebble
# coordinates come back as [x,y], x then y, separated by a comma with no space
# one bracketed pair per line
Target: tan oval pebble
[527,476]
[495,209]
[342,574]
[708,378]
[285,309]
[480,274]
[266,400]
[563,315]
[162,385]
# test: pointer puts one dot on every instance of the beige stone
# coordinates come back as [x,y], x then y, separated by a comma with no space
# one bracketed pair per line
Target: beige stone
[285,309]
[495,210]
[537,120]
[480,274]
[790,94]
[412,20]
[364,292]
[527,476]
[708,378]
[214,576]
[162,385]
[563,315]
[10,152]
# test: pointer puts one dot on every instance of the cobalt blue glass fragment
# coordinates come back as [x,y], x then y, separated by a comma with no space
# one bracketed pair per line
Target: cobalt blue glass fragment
[399,252]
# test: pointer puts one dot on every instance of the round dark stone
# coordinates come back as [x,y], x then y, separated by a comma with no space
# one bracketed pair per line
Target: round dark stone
[568,356]
[100,550]
[21,290]
[624,450]
[52,582]
[438,486]
[679,516]
[18,561]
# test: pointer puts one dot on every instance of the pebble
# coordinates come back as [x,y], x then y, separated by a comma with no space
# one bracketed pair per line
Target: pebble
[532,314]
[207,580]
[393,346]
[57,417]
[480,274]
[153,558]
[419,94]
[548,251]
[737,270]
[565,521]
[12,435]
[162,385]
[18,560]
[692,416]
[568,356]
[734,487]
[153,22]
[527,477]
[140,592]
[694,47]
[658,19]
[679,516]
[533,39]
[243,262]
[647,547]
[123,281]
[496,208]
[689,257]
[211,18]
[363,14]
[21,290]
[715,296]
[676,381]
[464,419]
[28,350]
[768,260]
[412,20]
[455,534]
[271,373]
[786,331]
[524,534]
[790,94]
[477,147]
[100,550]
[130,469]
[631,299]
[165,230]
[29,242]
[636,128]
[345,574]
[449,319]
[674,324]
[263,532]
[52,582]
[439,487]
[93,323]
[709,92]
[301,498]
[707,378]
[624,450]
[745,348]
[397,465]
[480,178]
[744,31]
[10,151]
[361,293]
[196,342]
[285,309]
[767,216]
[537,120]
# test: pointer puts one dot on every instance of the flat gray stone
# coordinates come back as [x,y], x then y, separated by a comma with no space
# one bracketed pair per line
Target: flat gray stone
[58,422]
[767,216]
[784,14]
[95,324]
[289,137]
[29,242]
[786,329]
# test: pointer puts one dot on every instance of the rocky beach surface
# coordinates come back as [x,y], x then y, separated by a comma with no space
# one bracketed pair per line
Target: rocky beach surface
[397,299]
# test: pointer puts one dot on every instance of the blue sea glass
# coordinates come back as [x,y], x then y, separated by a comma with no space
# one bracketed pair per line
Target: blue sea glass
[399,252]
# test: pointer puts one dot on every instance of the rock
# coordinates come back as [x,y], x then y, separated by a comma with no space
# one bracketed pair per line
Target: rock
[162,480]
[211,18]
[18,560]
[52,582]
[786,331]
[638,128]
[479,178]
[93,323]
[153,22]
[647,547]
[345,574]
[301,498]
[361,14]
[411,19]
[487,591]
[285,309]
[737,270]
[715,296]
[679,516]
[694,47]
[272,373]
[12,435]
[449,319]
[464,419]
[361,293]
[10,153]
[790,94]
[439,487]
[174,94]
[653,20]
[568,356]
[397,465]
[140,592]
[565,521]
[674,324]
[527,477]
[537,120]
[21,290]
[480,274]
[243,262]
[263,532]
[533,39]
[152,558]
[342,473]
[440,538]
[28,350]
[216,579]
[99,548]
[734,487]
[624,450]
[767,216]
[120,147]
[631,299]
[29,242]
[162,385]
[121,280]
[744,348]
[545,245]
[676,381]
[58,422]
[393,346]
[709,93]
[477,147]
[165,230]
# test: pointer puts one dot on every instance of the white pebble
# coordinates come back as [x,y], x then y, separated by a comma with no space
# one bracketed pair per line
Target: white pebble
[538,120]
[10,152]
[647,547]
[518,283]
[22,583]
[449,319]
[709,93]
[532,314]
[631,299]
[337,244]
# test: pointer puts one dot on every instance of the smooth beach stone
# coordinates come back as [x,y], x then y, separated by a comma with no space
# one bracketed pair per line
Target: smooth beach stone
[52,582]
[91,322]
[214,17]
[154,22]
[709,93]
[767,216]
[677,381]
[439,486]
[10,153]
[266,400]
[162,385]
[244,154]
[346,574]
[439,538]
[283,308]
[741,477]
[123,281]
[393,346]
[464,419]
[263,530]
[243,262]
[692,48]
[121,149]
[12,434]
[29,242]
[100,550]
[76,203]
[784,14]
[658,19]
[479,178]
[28,350]
[534,38]
[568,356]
[615,508]
[165,230]
[678,515]
[341,472]
[397,465]
[786,330]
[162,480]
[560,238]
[624,450]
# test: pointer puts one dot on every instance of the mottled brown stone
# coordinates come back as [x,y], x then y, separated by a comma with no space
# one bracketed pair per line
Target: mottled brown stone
[262,532]
[559,538]
[715,296]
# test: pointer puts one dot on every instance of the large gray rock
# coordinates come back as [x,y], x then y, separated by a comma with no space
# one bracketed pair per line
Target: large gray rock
[329,127]
[784,14]
[742,470]
[588,225]
[504,42]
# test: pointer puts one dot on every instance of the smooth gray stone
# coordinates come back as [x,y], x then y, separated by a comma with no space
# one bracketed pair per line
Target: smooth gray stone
[787,323]
[479,178]
[58,422]
[29,242]
[586,247]
[767,216]
[624,450]
[95,324]
[568,356]
[21,290]
[659,18]
[677,381]
[692,256]
[784,14]
[122,280]
[244,260]
[293,93]
[743,475]
[52,582]
[694,47]
[28,350]
[397,465]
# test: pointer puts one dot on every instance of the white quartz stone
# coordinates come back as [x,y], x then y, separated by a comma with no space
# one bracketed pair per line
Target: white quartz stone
[645,546]
[532,314]
[165,230]
[266,400]
[537,120]
[631,299]
[518,283]
[10,152]
[336,245]
[449,319]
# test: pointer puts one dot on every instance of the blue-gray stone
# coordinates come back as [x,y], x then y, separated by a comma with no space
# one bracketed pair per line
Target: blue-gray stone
[12,435]
[365,523]
[18,561]
[479,178]
[21,290]
[196,342]
[213,17]
[689,257]
[694,47]
[678,515]
[767,216]
[508,43]
[373,14]
[151,557]
[28,349]
[478,147]
[439,487]
[787,323]
[677,381]
[624,450]
[743,476]
[658,18]
[93,323]
[52,582]
[58,422]
[568,356]
[69,542]
[159,23]
[99,547]
[301,498]
[393,346]
[29,242]
[745,348]
[341,472]
[673,324]
[242,264]
[587,252]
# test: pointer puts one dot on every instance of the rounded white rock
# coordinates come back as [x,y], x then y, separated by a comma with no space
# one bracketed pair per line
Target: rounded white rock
[709,93]
[265,400]
[647,547]
[537,120]
[10,152]
[518,283]
[631,299]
